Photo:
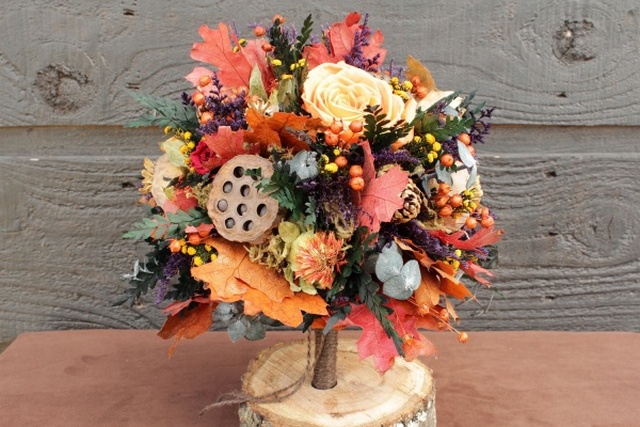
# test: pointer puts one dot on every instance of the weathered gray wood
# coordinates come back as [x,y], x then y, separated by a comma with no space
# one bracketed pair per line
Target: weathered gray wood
[567,198]
[542,62]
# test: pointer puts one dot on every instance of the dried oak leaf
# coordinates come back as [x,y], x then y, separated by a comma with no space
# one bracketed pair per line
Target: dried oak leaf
[187,324]
[375,342]
[428,293]
[341,37]
[227,144]
[483,237]
[288,311]
[232,274]
[381,195]
[279,130]
[234,68]
[449,284]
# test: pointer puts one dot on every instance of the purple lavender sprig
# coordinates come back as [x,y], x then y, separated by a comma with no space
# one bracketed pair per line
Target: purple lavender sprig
[400,157]
[481,125]
[227,110]
[356,57]
[419,236]
[175,262]
[334,206]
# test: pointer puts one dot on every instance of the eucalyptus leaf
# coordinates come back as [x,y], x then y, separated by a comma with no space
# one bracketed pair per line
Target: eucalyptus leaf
[443,174]
[465,155]
[236,329]
[225,311]
[395,288]
[473,176]
[255,330]
[172,147]
[402,285]
[304,164]
[389,262]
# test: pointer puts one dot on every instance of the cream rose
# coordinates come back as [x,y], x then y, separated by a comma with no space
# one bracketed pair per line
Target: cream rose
[341,91]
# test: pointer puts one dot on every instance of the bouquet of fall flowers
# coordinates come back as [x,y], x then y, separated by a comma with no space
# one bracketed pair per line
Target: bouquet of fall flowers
[303,183]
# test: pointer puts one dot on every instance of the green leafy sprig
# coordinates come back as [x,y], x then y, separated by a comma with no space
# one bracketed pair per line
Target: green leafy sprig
[145,275]
[164,113]
[281,185]
[379,131]
[161,227]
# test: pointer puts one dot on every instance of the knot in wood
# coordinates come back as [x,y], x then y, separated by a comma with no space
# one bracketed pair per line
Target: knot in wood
[64,89]
[238,210]
[574,41]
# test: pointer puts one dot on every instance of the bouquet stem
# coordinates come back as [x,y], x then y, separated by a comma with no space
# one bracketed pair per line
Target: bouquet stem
[324,372]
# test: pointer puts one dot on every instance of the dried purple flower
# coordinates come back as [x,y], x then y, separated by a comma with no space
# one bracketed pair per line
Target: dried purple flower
[175,262]
[356,57]
[227,110]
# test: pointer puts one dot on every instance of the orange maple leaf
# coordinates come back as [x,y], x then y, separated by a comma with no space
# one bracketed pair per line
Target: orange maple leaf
[187,324]
[279,130]
[288,311]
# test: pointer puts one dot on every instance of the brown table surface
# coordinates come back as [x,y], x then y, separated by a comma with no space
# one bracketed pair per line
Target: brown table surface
[124,378]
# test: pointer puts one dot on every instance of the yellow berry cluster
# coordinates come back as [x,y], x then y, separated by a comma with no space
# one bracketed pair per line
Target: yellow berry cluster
[402,89]
[455,263]
[241,43]
[188,143]
[201,253]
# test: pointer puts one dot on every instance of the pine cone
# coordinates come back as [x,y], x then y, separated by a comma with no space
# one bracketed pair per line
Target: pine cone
[412,203]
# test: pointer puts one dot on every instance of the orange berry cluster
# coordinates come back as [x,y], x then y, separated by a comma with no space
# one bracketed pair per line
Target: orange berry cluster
[199,99]
[446,204]
[465,138]
[338,135]
[486,220]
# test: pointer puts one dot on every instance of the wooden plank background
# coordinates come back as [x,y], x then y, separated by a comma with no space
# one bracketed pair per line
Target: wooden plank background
[560,168]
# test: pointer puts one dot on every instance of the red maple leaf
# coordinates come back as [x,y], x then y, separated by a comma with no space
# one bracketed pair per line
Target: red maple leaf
[234,68]
[227,144]
[375,341]
[381,196]
[341,38]
[474,271]
[484,237]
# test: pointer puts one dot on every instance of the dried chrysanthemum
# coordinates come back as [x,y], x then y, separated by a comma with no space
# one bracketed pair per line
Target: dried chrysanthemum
[147,176]
[314,258]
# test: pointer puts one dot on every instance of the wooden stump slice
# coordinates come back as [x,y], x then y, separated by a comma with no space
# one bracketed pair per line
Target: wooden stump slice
[404,396]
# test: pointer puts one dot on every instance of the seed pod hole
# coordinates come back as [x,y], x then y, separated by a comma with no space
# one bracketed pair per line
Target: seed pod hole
[262,209]
[222,205]
[242,209]
[238,171]
[247,226]
[245,190]
[230,223]
[227,187]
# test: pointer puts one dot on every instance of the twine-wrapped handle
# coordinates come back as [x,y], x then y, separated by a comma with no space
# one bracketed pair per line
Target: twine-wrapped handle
[324,373]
